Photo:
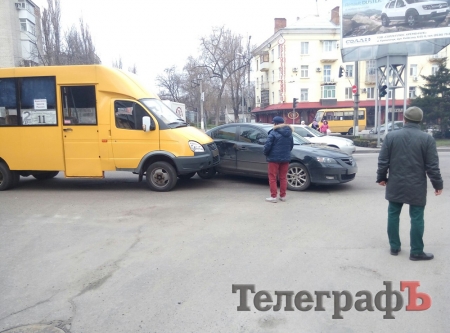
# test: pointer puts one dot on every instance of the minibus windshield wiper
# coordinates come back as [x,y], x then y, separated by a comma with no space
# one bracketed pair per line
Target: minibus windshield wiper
[178,124]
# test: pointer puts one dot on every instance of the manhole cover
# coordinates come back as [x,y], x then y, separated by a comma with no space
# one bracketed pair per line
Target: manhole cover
[34,329]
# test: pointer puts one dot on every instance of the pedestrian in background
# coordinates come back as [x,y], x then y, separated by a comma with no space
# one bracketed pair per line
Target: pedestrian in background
[315,125]
[278,153]
[406,158]
[324,128]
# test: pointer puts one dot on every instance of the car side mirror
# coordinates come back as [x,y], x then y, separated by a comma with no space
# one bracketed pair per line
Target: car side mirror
[148,124]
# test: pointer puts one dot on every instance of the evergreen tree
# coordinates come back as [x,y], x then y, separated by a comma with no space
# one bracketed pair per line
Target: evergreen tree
[435,99]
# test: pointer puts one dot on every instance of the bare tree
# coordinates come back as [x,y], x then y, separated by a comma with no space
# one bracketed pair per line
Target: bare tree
[219,58]
[171,83]
[77,48]
[133,69]
[117,63]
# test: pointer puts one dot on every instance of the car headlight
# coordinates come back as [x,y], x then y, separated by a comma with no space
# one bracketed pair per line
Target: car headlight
[326,160]
[196,147]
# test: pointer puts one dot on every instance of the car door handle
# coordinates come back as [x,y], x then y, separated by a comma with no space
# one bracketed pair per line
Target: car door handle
[67,130]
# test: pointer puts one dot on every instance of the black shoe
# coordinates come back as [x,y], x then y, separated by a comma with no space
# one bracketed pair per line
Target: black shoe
[421,256]
[395,252]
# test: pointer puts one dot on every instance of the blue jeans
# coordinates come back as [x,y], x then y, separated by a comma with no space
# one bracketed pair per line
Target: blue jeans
[417,226]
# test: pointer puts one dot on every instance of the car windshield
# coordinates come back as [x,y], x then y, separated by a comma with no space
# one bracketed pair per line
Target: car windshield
[163,112]
[298,140]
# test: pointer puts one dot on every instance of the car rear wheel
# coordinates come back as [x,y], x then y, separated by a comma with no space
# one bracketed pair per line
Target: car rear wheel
[207,173]
[350,131]
[298,178]
[161,176]
[45,175]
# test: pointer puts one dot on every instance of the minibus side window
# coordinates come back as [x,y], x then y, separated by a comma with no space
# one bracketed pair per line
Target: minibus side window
[79,105]
[129,115]
[8,102]
[38,101]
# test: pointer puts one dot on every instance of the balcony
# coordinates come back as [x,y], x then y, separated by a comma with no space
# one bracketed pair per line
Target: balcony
[329,57]
[438,57]
[370,79]
[264,62]
[264,86]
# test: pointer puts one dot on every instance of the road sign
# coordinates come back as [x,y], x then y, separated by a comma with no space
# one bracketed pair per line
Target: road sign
[354,89]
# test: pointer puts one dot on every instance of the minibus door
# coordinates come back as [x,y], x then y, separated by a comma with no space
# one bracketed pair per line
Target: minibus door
[80,132]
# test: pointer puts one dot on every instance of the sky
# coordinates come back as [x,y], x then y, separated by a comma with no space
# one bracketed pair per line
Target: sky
[158,34]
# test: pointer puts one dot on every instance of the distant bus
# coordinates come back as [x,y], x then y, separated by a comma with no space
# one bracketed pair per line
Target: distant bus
[341,120]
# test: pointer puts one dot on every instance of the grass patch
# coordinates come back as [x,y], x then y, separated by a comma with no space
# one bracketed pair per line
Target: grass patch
[443,142]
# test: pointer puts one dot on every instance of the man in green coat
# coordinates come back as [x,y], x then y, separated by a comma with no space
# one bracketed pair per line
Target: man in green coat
[406,157]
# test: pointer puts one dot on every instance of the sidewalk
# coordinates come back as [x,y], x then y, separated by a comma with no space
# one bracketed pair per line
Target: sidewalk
[364,150]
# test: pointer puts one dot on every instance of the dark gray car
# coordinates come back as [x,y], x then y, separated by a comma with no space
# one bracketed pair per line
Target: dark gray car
[241,153]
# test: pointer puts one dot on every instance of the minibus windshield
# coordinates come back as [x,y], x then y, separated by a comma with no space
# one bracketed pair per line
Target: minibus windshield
[163,112]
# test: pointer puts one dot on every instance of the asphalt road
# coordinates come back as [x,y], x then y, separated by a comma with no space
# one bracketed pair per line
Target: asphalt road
[85,256]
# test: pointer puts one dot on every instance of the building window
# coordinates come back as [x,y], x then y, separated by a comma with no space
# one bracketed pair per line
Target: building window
[273,76]
[434,69]
[327,73]
[371,93]
[349,70]
[273,54]
[257,83]
[304,95]
[329,45]
[328,91]
[390,94]
[371,70]
[279,96]
[413,70]
[304,71]
[304,48]
[279,51]
[348,93]
[279,73]
[273,97]
[412,92]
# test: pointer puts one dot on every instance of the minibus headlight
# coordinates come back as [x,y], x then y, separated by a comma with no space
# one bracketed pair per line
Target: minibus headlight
[196,147]
[326,160]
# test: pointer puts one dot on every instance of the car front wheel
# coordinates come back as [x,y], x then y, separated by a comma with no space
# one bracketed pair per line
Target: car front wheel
[207,173]
[412,17]
[384,21]
[298,178]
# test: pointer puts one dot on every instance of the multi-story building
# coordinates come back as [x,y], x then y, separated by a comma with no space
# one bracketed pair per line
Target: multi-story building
[303,60]
[19,33]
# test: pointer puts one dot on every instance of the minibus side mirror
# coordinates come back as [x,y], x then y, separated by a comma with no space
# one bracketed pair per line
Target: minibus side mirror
[148,124]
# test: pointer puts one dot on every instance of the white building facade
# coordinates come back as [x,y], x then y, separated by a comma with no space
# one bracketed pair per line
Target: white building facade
[303,60]
[19,33]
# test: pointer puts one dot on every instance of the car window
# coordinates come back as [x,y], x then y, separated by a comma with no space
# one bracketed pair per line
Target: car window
[225,133]
[301,131]
[313,131]
[400,3]
[251,134]
[391,4]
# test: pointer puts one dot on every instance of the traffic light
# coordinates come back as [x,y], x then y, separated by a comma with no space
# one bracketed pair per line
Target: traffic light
[294,103]
[341,71]
[383,91]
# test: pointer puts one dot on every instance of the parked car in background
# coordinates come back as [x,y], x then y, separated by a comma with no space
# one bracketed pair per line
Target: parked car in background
[310,134]
[411,12]
[397,125]
[241,151]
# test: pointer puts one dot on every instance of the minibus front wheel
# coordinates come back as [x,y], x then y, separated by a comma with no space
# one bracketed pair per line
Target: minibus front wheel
[161,176]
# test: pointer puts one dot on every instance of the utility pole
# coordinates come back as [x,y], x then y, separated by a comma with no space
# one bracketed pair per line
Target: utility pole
[356,106]
[202,125]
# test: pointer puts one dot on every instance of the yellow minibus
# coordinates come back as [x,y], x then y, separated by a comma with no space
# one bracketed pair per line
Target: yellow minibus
[85,120]
[341,120]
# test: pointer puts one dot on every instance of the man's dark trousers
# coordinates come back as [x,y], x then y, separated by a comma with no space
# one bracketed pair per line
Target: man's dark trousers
[417,226]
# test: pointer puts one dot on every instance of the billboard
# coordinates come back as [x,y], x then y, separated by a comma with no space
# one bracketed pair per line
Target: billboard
[371,29]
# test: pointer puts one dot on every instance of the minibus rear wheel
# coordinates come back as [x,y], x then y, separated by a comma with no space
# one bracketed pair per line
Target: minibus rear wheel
[161,176]
[6,177]
[45,175]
